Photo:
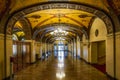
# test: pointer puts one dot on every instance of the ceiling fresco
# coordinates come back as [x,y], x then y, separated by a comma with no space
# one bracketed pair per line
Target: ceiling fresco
[59,13]
[35,17]
[18,33]
[69,16]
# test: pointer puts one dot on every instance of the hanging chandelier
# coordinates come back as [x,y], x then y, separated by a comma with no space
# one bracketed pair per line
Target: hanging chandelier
[59,32]
[60,39]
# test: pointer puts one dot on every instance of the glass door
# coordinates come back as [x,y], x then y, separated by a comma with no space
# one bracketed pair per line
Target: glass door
[61,50]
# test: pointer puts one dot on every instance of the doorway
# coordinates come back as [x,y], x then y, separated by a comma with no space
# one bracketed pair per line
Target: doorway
[98,55]
[21,54]
[60,50]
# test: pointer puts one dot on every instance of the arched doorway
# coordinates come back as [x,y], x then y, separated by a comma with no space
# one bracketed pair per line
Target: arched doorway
[72,6]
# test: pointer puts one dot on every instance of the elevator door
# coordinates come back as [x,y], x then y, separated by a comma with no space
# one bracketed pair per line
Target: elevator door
[21,54]
[101,50]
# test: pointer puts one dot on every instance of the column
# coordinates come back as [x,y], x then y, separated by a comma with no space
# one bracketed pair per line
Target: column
[2,63]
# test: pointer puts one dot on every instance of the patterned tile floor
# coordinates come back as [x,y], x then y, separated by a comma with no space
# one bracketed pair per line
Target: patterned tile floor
[60,69]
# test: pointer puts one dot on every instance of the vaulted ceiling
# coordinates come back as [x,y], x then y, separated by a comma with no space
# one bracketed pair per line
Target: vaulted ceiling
[18,4]
[51,16]
[43,22]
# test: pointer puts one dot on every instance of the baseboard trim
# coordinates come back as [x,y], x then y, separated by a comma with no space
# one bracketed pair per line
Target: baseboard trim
[33,62]
[84,60]
[8,78]
[111,78]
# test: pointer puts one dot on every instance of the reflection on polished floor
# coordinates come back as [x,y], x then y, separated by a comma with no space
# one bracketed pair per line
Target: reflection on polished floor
[60,69]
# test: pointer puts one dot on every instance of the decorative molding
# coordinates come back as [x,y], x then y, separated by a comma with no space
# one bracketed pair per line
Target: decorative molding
[25,24]
[117,33]
[47,29]
[26,27]
[8,37]
[110,37]
[1,36]
[63,5]
[96,32]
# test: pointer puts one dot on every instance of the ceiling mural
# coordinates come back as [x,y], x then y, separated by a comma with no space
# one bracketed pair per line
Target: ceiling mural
[79,15]
[34,15]
[18,33]
[44,17]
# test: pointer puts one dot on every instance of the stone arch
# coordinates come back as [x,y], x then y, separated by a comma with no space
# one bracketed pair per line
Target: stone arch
[25,24]
[73,27]
[54,5]
[26,28]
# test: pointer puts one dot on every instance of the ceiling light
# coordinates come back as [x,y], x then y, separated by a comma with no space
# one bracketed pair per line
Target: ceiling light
[60,39]
[59,32]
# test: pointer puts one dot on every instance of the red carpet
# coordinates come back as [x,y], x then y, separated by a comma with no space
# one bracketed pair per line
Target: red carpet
[102,68]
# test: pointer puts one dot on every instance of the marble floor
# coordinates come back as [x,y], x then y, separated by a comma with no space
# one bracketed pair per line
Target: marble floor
[60,69]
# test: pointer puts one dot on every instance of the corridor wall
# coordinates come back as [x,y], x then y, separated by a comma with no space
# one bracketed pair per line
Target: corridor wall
[78,47]
[118,55]
[98,33]
[9,53]
[38,50]
[21,54]
[2,57]
[85,50]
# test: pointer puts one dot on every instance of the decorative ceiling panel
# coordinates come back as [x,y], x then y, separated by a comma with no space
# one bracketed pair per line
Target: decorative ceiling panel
[51,16]
[19,4]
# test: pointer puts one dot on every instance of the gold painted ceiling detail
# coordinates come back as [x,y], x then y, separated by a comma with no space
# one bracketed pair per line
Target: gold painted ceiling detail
[19,4]
[58,13]
[51,16]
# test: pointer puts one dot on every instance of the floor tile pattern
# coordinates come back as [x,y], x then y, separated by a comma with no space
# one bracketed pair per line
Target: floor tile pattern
[60,69]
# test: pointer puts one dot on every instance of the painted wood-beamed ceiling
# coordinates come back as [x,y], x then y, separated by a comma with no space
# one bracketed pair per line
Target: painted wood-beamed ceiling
[38,18]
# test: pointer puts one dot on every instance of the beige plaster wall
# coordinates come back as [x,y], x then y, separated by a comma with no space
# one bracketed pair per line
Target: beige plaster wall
[109,56]
[75,48]
[9,52]
[81,51]
[78,46]
[118,55]
[33,52]
[99,25]
[70,49]
[85,48]
[92,52]
[38,49]
[1,56]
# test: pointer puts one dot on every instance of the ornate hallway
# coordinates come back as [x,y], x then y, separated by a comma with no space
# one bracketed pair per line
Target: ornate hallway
[32,30]
[60,69]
